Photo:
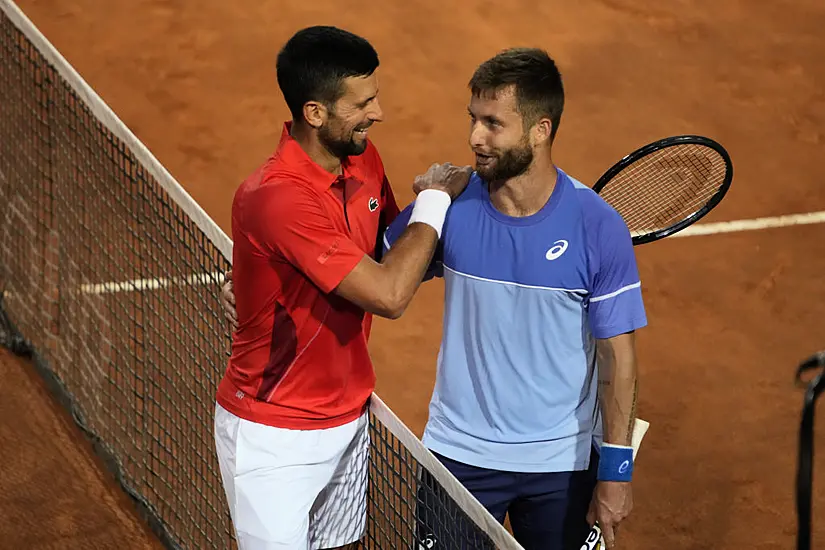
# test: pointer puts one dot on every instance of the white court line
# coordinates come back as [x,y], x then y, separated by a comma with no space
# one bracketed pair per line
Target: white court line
[695,230]
[151,284]
[752,224]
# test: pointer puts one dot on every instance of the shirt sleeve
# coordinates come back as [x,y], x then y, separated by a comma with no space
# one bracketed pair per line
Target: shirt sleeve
[389,211]
[289,221]
[616,304]
[395,230]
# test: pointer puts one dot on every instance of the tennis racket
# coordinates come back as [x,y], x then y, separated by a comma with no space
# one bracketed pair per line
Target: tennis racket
[667,185]
[595,540]
[804,469]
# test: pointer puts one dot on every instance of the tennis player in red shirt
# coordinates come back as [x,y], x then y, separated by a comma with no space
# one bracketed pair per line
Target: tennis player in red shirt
[291,425]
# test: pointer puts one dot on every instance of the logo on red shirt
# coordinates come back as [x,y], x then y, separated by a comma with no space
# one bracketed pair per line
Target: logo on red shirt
[373,204]
[322,259]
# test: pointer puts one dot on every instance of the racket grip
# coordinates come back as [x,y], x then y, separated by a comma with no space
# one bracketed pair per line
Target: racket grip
[594,541]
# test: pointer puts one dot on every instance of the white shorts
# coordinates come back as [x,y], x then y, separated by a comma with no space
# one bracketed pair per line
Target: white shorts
[293,489]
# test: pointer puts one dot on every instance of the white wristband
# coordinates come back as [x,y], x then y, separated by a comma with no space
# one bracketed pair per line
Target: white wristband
[431,208]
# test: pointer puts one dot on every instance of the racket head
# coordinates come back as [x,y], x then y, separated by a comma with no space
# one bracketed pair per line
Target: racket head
[667,185]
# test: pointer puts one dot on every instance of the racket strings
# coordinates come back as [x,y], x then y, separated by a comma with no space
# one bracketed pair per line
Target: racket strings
[665,187]
[677,190]
[674,197]
[672,192]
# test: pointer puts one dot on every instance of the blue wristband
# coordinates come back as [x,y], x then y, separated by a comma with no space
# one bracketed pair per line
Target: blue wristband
[615,463]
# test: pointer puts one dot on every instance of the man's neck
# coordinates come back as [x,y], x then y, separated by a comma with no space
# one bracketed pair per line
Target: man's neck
[526,194]
[307,138]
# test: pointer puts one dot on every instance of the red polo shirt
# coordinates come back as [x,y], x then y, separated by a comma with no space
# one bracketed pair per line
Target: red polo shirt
[299,356]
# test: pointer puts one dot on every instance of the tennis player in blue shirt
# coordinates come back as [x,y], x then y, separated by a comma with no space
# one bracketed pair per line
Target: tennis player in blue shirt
[535,391]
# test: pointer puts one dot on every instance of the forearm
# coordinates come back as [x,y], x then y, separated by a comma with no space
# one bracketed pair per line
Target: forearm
[404,266]
[386,288]
[618,388]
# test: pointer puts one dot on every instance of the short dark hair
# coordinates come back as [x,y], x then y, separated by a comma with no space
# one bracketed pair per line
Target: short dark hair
[537,82]
[313,64]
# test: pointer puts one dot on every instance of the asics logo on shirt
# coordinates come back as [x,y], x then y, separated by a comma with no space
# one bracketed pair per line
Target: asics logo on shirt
[556,250]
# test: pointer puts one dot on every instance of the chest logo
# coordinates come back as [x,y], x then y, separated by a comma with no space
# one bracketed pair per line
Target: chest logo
[556,250]
[373,204]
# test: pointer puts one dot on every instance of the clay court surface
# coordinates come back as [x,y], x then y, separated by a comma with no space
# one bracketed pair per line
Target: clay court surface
[731,314]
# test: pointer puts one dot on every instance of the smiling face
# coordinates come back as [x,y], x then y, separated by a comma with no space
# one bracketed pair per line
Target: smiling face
[327,77]
[344,130]
[501,144]
[515,109]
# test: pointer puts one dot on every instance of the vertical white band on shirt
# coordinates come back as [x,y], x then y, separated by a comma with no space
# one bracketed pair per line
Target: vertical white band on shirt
[431,208]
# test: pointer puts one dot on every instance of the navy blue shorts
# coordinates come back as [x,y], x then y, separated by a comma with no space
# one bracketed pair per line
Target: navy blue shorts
[548,511]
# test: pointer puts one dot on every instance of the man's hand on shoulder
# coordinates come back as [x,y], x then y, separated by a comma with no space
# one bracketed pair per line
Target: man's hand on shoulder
[445,177]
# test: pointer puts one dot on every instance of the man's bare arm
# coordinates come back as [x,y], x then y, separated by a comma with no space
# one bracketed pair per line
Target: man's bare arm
[613,500]
[618,385]
[386,288]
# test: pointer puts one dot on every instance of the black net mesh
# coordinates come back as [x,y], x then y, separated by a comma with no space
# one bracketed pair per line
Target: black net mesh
[408,508]
[115,290]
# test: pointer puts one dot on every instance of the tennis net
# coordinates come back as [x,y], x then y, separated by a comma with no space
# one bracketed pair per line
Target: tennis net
[110,277]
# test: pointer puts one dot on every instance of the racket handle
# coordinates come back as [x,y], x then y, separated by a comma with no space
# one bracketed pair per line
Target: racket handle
[594,541]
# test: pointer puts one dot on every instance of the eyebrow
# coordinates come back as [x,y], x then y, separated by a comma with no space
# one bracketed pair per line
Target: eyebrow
[488,118]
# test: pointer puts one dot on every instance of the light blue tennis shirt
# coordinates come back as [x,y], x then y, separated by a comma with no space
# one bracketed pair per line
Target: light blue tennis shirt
[525,298]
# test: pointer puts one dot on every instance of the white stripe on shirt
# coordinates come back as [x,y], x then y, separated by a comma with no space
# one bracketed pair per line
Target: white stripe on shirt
[617,292]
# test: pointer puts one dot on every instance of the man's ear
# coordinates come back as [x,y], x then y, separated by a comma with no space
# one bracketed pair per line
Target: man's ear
[315,113]
[543,130]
